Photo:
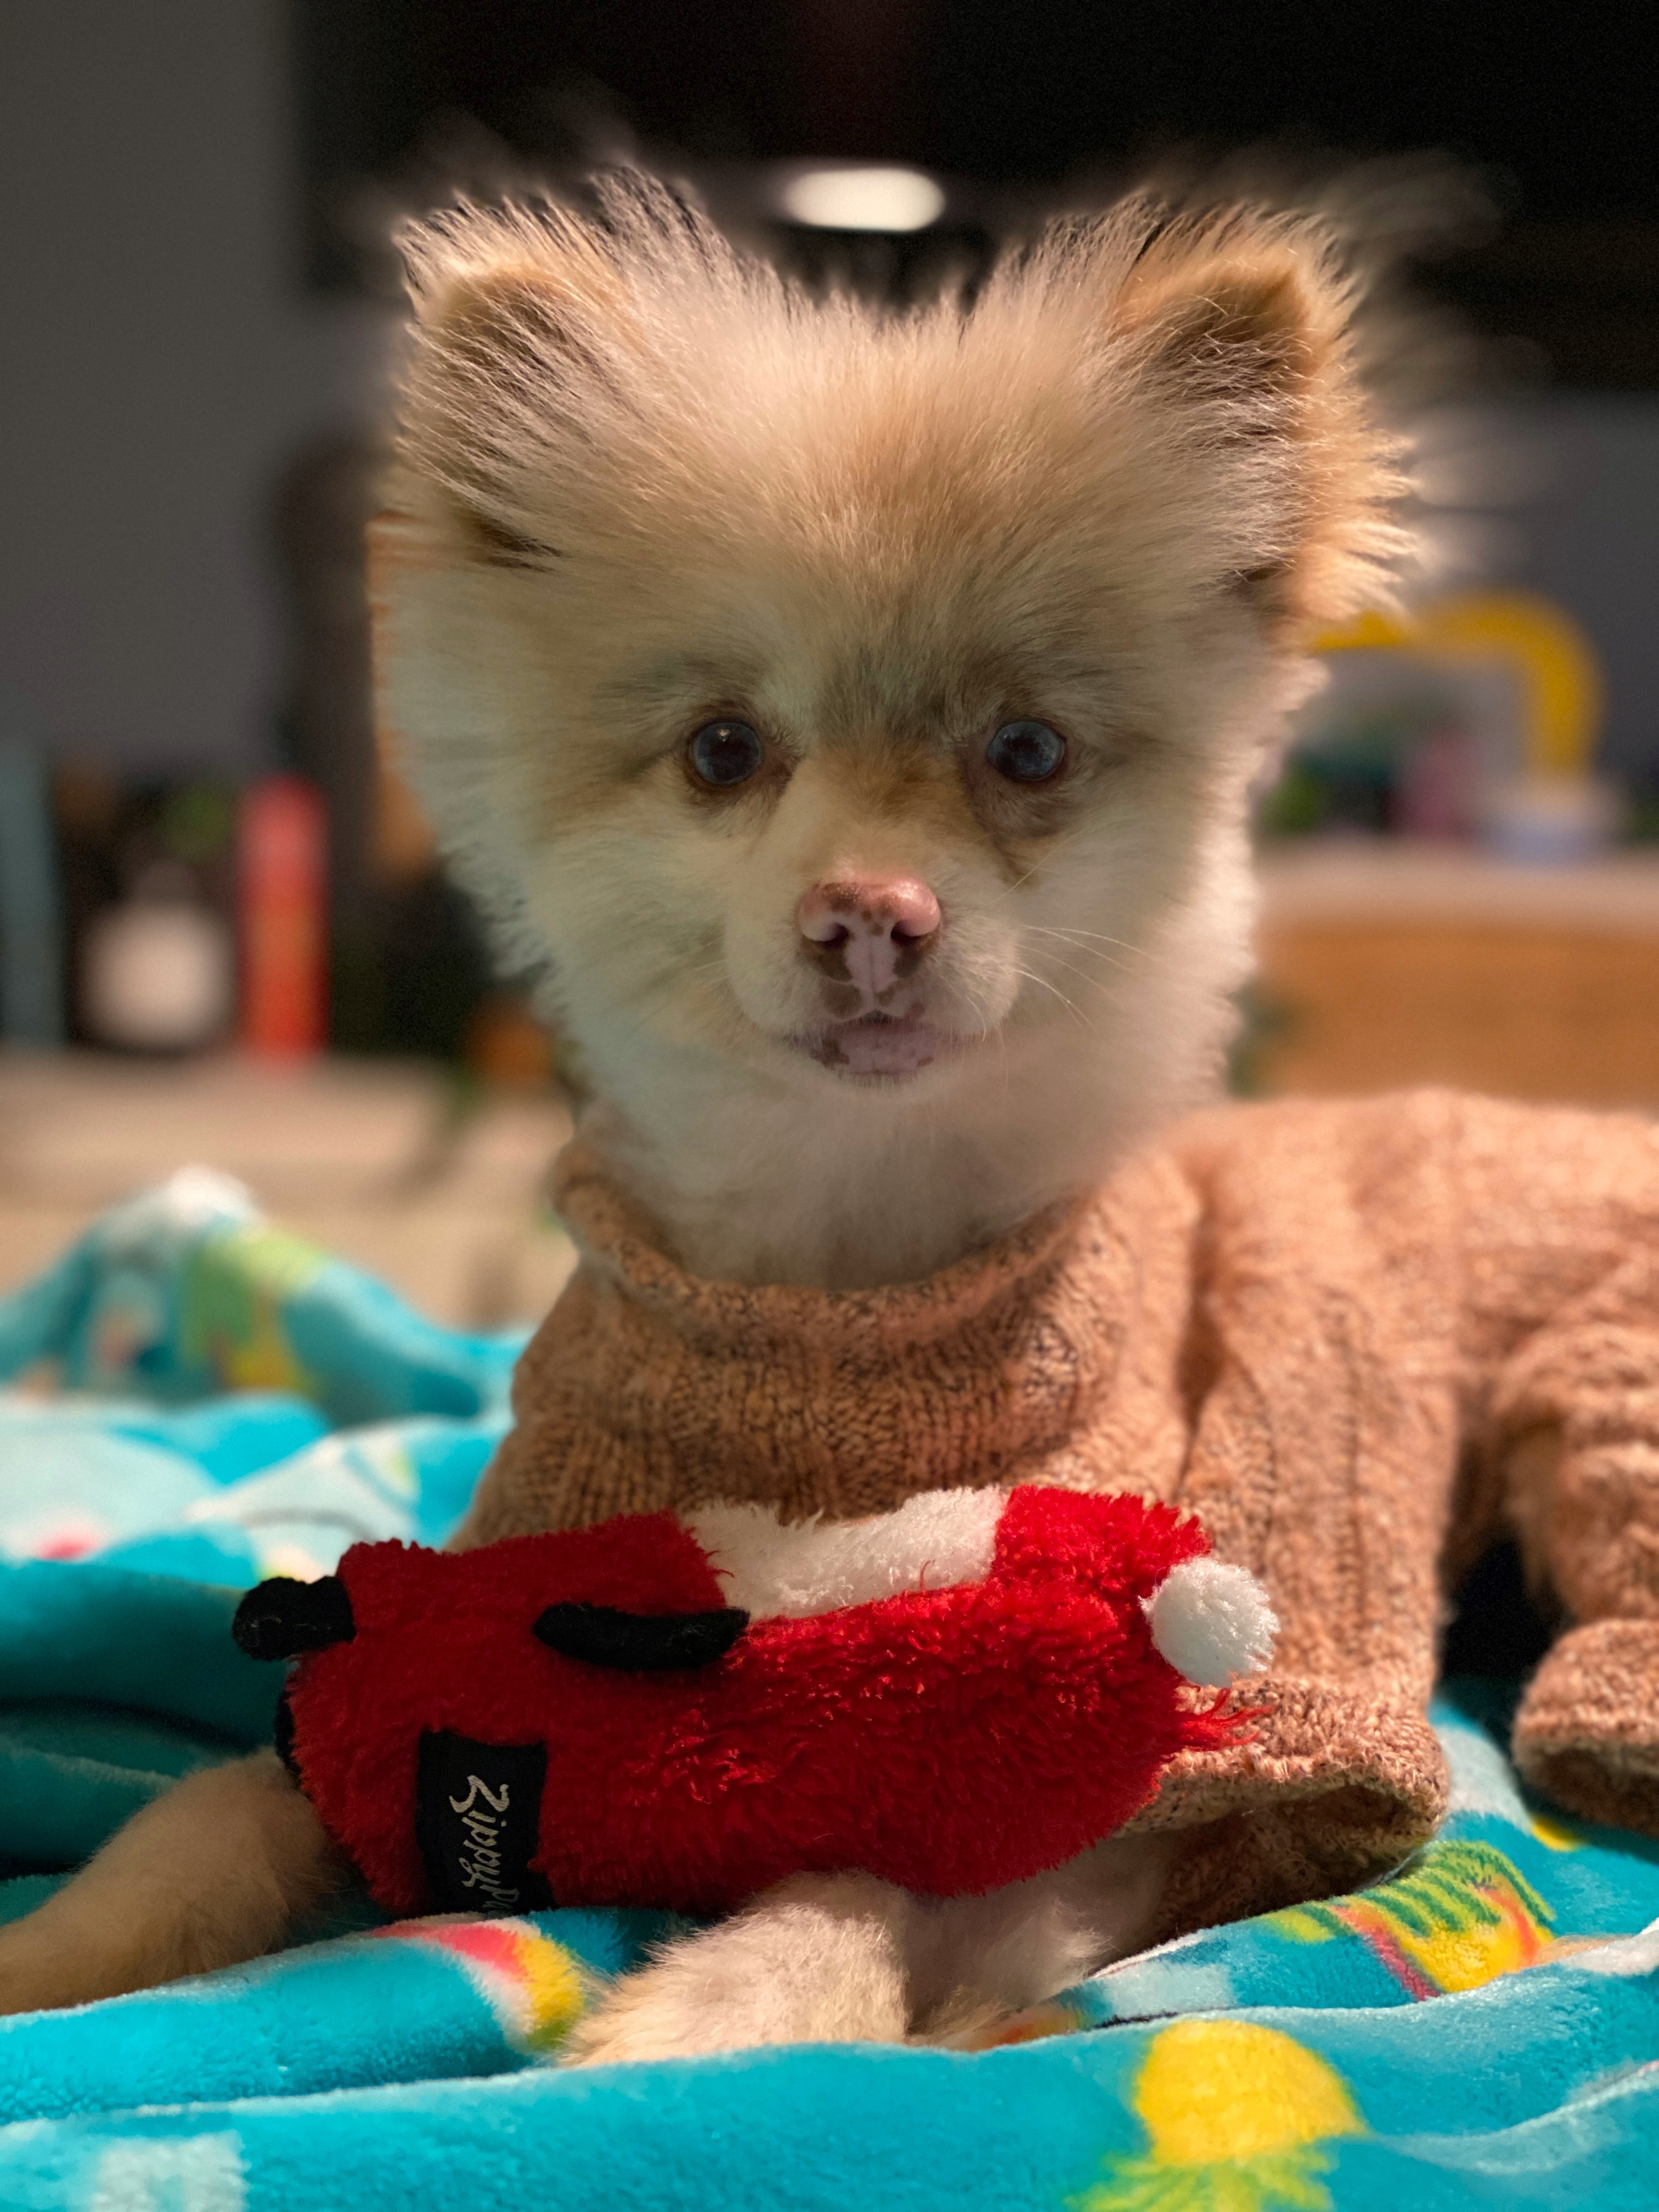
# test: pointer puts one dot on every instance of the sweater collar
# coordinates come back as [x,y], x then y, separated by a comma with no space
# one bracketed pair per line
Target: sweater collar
[619,1245]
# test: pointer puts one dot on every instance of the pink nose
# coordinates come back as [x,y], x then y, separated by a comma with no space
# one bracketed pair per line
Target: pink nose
[896,907]
[868,931]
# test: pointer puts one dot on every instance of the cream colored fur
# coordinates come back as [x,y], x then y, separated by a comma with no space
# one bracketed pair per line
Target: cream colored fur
[219,1869]
[642,484]
[846,1959]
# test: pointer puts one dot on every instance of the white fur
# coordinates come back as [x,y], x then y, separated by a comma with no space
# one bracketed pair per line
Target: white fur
[1211,1622]
[771,1568]
[820,1959]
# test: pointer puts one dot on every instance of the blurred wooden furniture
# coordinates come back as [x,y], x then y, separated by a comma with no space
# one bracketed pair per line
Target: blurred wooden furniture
[1383,963]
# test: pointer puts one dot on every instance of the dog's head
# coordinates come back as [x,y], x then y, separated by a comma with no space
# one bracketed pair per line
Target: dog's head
[842,696]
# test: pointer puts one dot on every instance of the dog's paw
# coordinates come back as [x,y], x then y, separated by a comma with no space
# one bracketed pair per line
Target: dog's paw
[664,2012]
[646,2016]
[62,1954]
[967,2022]
[815,1962]
[37,1974]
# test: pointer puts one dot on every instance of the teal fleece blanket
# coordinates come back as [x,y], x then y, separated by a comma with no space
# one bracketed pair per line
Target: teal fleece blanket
[204,1399]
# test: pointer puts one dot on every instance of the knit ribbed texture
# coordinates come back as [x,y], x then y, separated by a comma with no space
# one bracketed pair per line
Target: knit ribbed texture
[1318,1325]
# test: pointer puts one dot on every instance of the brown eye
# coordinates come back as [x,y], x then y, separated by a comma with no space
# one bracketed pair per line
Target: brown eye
[1026,752]
[723,754]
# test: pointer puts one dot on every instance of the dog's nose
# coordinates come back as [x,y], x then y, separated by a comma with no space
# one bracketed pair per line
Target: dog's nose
[871,930]
[895,907]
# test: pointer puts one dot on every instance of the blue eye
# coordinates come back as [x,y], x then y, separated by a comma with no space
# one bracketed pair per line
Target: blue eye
[722,754]
[1026,752]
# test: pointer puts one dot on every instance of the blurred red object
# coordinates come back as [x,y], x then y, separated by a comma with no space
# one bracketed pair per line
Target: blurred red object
[282,896]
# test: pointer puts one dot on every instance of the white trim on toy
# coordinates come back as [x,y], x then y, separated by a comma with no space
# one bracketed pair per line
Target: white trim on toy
[937,1540]
[1211,1622]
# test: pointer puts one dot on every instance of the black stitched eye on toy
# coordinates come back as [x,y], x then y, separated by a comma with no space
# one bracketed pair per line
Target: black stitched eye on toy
[639,1642]
[1026,752]
[723,754]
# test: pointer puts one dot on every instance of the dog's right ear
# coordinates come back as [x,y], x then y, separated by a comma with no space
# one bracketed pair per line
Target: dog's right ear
[521,318]
[548,342]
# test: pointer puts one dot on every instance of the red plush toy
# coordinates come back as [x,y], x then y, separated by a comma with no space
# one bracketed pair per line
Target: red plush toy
[681,1711]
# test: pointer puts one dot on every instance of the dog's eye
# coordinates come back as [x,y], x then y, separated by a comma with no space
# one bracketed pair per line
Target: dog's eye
[1026,752]
[725,753]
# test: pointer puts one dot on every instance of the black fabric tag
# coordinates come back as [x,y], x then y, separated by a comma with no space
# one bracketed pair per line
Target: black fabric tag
[477,1819]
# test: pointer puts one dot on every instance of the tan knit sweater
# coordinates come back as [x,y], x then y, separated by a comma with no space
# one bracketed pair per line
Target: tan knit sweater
[1320,1326]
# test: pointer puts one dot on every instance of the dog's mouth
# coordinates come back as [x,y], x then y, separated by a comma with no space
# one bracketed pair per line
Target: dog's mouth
[880,1045]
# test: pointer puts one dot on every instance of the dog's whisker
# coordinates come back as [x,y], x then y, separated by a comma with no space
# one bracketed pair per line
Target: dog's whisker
[1090,977]
[1105,960]
[1070,1006]
[1075,938]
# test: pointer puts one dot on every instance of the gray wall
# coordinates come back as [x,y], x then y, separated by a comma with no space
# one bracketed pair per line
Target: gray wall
[1592,542]
[158,363]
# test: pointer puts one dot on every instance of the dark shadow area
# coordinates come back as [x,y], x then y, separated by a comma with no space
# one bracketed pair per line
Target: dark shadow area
[1498,1629]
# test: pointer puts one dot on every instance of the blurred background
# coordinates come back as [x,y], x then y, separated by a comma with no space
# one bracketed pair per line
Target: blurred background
[223,932]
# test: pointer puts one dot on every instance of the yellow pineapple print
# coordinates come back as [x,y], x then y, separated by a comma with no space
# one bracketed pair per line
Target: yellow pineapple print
[1461,1914]
[1235,2115]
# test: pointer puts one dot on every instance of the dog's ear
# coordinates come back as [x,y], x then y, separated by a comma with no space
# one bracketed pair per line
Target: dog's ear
[1245,324]
[523,325]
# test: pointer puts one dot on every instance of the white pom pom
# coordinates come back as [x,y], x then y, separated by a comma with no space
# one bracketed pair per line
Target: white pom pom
[1211,1622]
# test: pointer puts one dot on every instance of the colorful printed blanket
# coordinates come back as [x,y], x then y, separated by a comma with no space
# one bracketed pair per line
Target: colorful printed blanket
[206,1400]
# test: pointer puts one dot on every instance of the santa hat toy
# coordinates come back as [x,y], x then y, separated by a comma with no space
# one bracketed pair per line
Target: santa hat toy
[681,1709]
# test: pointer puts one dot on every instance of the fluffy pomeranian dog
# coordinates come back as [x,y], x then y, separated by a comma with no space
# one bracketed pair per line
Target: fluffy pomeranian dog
[854,713]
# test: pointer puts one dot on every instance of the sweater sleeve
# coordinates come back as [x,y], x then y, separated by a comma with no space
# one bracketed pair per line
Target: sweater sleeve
[1577,1416]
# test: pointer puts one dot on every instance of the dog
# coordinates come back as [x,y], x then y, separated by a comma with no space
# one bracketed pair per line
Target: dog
[855,714]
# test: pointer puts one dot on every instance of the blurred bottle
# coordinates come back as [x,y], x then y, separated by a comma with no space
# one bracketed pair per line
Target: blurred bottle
[158,971]
[146,874]
[281,897]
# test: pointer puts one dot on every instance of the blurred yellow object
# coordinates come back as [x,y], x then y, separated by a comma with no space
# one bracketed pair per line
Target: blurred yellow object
[1554,660]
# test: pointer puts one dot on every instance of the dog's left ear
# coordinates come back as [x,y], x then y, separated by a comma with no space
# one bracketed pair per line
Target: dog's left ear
[519,312]
[544,347]
[1244,324]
